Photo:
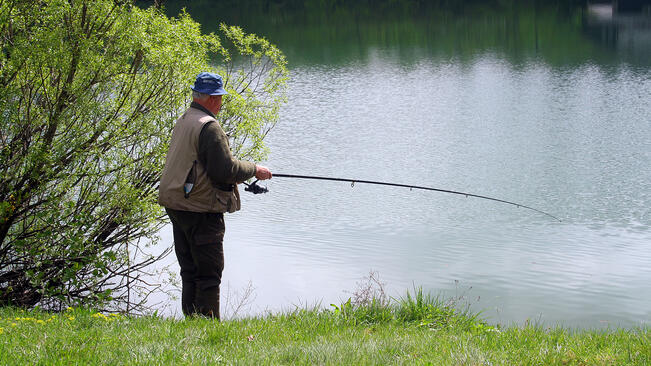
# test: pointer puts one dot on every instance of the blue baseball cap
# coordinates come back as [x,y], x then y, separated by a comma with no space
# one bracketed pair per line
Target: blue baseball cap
[209,83]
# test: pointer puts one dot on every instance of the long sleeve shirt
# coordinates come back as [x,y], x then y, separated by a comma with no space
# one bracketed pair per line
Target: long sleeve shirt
[215,155]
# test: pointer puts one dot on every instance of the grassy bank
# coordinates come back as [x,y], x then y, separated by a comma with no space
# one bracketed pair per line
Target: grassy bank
[415,330]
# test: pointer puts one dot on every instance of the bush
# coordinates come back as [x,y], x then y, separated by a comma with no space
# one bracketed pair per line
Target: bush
[89,94]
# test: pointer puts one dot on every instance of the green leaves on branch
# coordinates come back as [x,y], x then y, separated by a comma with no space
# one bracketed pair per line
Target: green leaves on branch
[89,95]
[256,76]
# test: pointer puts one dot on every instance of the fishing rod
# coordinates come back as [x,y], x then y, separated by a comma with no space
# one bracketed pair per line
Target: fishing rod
[256,189]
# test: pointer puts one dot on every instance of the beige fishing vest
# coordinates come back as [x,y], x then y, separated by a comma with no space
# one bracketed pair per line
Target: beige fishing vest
[182,156]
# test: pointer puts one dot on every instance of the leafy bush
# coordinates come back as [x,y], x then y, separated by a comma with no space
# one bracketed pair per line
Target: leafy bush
[89,94]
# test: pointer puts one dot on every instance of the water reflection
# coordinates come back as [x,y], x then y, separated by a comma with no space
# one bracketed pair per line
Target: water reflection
[627,32]
[559,32]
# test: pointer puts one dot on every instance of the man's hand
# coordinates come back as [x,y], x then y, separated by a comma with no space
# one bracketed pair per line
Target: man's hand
[262,172]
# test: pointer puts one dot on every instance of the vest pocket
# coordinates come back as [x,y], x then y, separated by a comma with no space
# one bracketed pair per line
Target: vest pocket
[223,201]
[227,201]
[190,180]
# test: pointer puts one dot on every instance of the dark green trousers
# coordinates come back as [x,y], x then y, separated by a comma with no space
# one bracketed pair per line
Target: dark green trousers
[198,242]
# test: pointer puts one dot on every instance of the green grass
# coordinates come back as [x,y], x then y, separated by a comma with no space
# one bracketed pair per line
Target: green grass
[416,329]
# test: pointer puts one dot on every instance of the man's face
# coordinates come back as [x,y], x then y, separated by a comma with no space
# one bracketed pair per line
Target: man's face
[215,103]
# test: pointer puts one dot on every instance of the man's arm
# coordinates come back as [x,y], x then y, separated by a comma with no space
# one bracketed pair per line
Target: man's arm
[215,155]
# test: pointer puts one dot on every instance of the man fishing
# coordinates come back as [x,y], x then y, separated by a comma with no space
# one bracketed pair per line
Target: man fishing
[198,185]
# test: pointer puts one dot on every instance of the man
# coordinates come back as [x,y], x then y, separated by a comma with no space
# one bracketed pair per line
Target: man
[199,184]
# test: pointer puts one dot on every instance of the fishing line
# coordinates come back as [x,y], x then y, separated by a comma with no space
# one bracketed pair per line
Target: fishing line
[256,189]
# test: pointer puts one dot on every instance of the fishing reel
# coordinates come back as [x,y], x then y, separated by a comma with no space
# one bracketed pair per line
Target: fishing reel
[254,188]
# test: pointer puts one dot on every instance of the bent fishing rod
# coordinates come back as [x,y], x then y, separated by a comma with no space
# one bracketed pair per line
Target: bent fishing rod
[256,189]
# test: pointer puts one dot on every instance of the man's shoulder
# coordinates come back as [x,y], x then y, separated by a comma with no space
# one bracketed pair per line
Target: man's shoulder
[197,113]
[212,132]
[212,127]
[197,118]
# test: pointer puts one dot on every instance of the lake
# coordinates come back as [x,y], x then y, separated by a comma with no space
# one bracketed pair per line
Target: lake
[548,106]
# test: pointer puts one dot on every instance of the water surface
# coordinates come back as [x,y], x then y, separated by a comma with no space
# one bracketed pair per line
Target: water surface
[532,105]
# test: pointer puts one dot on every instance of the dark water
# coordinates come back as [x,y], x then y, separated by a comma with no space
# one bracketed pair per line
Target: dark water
[547,106]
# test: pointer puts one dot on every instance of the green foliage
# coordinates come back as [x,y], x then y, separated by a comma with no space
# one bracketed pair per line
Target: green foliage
[90,92]
[254,76]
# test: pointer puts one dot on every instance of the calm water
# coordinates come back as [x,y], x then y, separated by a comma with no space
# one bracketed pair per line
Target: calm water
[558,118]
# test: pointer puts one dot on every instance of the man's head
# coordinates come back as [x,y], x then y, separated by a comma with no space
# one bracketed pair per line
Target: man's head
[207,90]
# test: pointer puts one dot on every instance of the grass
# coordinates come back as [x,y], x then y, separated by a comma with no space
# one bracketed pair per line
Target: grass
[415,329]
